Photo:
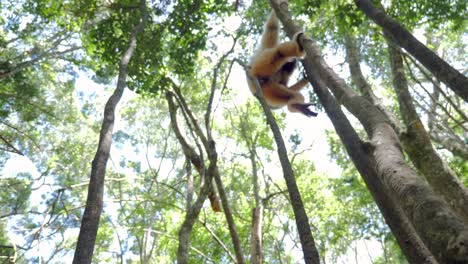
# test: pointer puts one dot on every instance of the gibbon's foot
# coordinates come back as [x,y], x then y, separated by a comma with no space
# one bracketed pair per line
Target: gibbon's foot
[304,108]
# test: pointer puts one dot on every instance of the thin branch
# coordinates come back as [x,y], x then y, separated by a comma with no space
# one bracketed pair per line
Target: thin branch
[302,221]
[10,145]
[218,240]
[435,85]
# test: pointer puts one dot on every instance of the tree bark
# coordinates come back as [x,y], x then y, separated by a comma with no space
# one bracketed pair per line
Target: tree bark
[407,238]
[256,251]
[353,57]
[90,222]
[417,144]
[190,218]
[228,214]
[302,221]
[441,230]
[403,38]
[256,255]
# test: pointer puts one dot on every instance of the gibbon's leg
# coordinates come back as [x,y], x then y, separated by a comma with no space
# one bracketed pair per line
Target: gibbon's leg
[270,34]
[278,95]
[299,85]
[269,61]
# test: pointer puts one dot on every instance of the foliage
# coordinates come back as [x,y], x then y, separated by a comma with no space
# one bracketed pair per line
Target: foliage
[52,116]
[170,43]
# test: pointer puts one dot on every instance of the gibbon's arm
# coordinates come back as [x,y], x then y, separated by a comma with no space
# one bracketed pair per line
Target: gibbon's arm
[299,85]
[270,36]
[269,61]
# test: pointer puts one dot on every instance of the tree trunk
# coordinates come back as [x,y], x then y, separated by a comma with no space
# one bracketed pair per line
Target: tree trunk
[212,153]
[231,224]
[90,222]
[418,145]
[256,255]
[302,221]
[190,218]
[409,241]
[441,230]
[403,38]
[353,58]
[256,251]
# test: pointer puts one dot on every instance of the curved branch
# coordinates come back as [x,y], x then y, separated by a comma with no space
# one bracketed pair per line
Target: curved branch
[401,36]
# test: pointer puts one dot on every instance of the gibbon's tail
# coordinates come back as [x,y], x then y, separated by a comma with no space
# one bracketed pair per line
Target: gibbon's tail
[270,37]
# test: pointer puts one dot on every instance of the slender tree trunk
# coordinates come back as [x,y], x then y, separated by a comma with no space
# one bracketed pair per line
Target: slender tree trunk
[403,38]
[441,230]
[256,251]
[418,145]
[353,57]
[190,218]
[302,221]
[231,224]
[256,256]
[90,222]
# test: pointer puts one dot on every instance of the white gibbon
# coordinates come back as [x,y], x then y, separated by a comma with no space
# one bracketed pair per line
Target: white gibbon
[272,65]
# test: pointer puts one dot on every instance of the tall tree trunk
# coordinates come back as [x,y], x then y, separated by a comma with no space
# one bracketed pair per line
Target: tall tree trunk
[403,38]
[410,243]
[353,57]
[408,240]
[256,251]
[250,139]
[190,218]
[90,222]
[441,230]
[228,214]
[418,145]
[256,255]
[302,221]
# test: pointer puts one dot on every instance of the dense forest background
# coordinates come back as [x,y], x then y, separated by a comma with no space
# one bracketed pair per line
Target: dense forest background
[124,126]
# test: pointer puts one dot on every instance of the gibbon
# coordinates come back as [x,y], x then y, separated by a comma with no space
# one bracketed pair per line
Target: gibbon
[273,64]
